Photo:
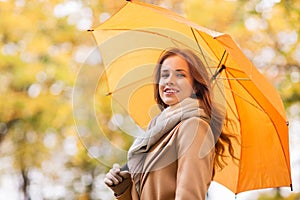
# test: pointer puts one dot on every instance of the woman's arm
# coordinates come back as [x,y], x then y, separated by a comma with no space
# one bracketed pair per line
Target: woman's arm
[195,163]
[119,182]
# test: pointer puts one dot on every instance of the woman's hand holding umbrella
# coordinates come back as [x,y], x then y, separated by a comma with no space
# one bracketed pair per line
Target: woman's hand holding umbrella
[118,180]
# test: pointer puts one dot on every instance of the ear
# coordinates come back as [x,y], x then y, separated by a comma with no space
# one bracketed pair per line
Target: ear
[193,96]
[195,90]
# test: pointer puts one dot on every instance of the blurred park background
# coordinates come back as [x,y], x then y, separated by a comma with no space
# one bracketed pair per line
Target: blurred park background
[44,44]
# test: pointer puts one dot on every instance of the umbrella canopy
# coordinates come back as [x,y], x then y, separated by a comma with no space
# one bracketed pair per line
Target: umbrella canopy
[130,43]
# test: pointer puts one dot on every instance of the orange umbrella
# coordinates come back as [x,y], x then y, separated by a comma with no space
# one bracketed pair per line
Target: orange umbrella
[130,43]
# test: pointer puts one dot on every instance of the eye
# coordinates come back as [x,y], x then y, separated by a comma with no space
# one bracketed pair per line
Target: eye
[165,75]
[180,75]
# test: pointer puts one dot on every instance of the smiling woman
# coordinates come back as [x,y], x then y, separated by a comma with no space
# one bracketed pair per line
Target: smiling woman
[182,144]
[176,82]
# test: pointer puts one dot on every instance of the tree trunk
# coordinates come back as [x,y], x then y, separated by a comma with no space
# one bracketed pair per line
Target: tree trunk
[25,184]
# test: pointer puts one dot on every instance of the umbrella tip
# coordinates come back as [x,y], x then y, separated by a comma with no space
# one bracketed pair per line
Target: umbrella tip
[108,94]
[90,30]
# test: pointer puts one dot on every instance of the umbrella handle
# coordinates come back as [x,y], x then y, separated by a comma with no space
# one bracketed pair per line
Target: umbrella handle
[218,72]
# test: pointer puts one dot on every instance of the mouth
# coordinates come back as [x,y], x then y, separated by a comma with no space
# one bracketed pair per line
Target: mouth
[170,91]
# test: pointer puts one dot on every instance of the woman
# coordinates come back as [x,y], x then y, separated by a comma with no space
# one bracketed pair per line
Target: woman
[183,144]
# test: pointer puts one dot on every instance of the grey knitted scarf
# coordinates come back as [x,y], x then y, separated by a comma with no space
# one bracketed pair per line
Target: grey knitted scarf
[158,127]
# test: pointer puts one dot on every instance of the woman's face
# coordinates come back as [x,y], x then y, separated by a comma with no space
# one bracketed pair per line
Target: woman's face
[176,82]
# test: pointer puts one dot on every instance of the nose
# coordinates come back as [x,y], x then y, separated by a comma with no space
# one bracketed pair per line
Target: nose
[170,80]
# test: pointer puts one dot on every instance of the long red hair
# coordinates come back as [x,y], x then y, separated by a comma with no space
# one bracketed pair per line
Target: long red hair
[202,87]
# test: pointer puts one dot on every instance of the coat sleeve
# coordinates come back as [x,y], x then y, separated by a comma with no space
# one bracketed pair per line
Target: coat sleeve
[195,148]
[129,194]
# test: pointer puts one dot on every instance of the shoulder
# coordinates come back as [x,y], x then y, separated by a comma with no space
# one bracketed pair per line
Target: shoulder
[194,134]
[194,125]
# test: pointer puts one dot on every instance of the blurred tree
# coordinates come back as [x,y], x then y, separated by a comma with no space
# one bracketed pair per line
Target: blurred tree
[36,76]
[43,45]
[277,196]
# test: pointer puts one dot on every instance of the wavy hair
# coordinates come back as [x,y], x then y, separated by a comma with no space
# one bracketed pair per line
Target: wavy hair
[202,87]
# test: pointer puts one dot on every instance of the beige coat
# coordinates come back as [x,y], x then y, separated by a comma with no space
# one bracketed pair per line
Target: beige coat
[179,166]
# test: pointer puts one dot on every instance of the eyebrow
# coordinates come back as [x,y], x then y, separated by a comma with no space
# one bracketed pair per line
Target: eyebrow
[177,70]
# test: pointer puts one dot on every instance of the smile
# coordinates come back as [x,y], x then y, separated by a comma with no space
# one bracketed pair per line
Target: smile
[170,91]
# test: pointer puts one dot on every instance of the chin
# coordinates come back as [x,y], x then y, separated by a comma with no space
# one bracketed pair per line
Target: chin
[171,102]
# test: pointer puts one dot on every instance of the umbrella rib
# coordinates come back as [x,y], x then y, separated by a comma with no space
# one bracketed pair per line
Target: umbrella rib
[209,45]
[220,62]
[239,79]
[202,53]
[236,70]
[128,85]
[223,95]
[238,117]
[227,102]
[243,79]
[235,93]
